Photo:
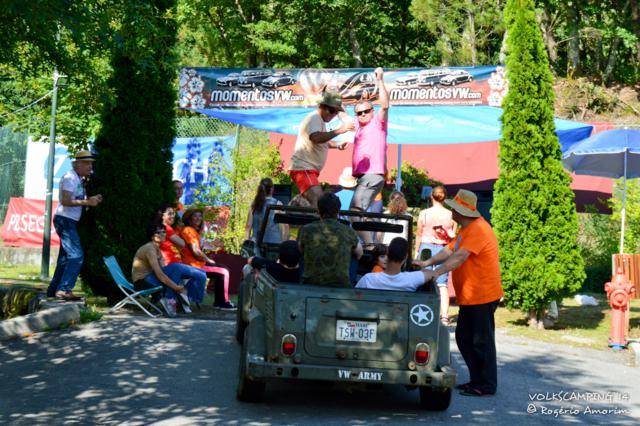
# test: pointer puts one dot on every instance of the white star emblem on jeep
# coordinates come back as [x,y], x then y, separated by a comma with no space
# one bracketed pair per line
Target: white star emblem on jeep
[421,315]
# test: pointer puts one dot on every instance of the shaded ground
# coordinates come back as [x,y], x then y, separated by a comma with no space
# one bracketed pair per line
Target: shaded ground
[183,371]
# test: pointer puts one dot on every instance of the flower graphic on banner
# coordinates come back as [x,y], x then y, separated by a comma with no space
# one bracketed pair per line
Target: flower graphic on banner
[499,86]
[197,102]
[196,84]
[191,87]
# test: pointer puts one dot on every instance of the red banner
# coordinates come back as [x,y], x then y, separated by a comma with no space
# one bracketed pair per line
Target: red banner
[24,224]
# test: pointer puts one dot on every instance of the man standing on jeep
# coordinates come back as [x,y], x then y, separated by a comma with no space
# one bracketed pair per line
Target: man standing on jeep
[473,259]
[313,143]
[328,247]
[369,161]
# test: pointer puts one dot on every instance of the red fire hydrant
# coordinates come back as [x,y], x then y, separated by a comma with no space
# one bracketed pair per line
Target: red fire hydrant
[619,292]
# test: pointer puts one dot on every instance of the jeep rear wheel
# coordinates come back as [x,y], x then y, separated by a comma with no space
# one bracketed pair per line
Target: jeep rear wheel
[435,399]
[249,390]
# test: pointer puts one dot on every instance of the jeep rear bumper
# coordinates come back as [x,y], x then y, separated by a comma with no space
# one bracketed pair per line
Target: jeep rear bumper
[259,369]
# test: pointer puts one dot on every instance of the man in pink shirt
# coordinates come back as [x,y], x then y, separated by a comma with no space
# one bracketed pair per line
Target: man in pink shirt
[370,147]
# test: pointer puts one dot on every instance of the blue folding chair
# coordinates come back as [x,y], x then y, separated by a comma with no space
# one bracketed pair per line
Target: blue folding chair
[132,297]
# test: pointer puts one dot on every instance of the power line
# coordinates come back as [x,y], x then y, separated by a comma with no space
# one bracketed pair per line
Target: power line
[27,106]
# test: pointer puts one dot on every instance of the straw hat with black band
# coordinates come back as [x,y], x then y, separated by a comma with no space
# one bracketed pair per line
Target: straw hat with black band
[84,155]
[465,202]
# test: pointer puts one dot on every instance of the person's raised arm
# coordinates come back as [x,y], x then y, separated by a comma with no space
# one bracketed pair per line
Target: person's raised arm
[384,95]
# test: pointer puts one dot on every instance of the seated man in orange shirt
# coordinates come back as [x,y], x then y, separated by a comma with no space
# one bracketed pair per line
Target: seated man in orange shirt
[473,259]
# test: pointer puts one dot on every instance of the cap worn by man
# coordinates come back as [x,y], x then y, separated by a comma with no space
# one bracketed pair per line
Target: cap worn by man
[332,99]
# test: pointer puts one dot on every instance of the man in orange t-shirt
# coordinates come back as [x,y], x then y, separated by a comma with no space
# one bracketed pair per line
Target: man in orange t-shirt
[473,259]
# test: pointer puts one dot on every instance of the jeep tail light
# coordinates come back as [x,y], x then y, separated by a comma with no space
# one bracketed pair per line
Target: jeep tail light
[289,343]
[422,354]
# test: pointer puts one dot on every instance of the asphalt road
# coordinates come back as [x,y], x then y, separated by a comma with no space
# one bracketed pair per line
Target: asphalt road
[135,370]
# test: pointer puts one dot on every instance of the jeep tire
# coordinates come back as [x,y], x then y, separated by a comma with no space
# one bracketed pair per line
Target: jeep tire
[240,324]
[434,399]
[249,390]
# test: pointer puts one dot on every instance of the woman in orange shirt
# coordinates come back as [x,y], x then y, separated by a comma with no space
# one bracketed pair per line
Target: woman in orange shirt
[193,255]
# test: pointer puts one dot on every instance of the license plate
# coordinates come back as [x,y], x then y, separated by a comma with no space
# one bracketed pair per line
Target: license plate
[356,331]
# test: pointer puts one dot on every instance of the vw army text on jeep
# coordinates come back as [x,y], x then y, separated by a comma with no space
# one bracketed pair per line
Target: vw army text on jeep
[298,331]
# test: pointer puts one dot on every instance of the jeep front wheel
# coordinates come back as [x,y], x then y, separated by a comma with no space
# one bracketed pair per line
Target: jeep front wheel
[435,399]
[249,390]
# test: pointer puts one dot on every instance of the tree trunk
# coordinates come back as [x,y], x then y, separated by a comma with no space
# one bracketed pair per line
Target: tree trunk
[472,36]
[613,52]
[355,46]
[503,49]
[611,62]
[635,19]
[574,40]
[548,37]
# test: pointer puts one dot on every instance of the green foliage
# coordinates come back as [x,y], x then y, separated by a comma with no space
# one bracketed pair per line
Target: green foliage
[533,212]
[253,159]
[598,238]
[632,220]
[300,33]
[17,301]
[28,57]
[90,314]
[133,169]
[468,32]
[413,179]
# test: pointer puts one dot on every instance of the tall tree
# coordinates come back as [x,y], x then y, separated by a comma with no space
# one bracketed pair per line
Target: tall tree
[533,212]
[133,167]
[468,32]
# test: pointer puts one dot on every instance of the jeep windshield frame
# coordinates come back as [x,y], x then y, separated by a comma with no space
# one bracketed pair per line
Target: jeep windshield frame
[300,216]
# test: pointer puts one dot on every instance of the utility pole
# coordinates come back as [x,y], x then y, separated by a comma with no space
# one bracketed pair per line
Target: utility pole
[46,240]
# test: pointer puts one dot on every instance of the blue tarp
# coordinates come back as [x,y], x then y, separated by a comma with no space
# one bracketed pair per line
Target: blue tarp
[413,125]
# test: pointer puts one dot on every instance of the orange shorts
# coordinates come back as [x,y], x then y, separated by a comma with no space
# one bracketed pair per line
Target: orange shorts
[305,179]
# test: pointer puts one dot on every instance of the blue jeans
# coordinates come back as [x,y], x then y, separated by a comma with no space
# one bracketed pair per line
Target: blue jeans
[70,256]
[176,273]
[441,281]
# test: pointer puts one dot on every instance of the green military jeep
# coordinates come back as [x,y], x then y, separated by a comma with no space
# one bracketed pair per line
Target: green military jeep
[307,332]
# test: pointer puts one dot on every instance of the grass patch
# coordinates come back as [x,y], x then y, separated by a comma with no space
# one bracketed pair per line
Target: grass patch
[582,326]
[21,272]
[90,314]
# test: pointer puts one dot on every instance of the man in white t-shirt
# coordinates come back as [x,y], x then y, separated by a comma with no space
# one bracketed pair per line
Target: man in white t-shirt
[313,143]
[393,278]
[72,199]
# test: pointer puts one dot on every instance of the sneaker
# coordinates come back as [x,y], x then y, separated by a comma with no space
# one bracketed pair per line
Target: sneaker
[169,309]
[184,299]
[226,306]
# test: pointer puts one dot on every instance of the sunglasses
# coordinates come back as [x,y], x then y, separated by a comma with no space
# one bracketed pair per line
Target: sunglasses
[364,111]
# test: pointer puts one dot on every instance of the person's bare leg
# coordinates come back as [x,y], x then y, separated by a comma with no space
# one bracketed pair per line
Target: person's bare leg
[313,194]
[444,303]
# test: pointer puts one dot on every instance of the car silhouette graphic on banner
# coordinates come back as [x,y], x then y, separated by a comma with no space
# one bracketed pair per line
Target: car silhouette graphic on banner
[278,79]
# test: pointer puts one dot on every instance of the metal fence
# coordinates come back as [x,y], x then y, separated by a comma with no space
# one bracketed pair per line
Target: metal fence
[13,155]
[205,126]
